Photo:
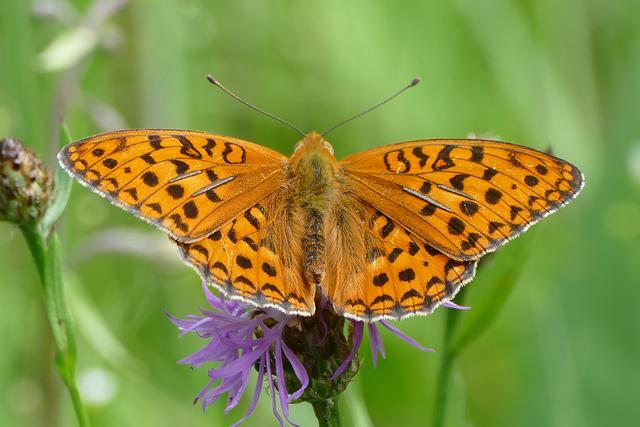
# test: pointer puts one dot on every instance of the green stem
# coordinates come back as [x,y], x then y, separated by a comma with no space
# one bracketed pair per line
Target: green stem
[446,366]
[440,406]
[48,263]
[327,412]
[38,249]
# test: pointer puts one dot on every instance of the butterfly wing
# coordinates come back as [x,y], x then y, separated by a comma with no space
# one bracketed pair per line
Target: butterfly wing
[393,274]
[463,197]
[247,259]
[205,191]
[186,183]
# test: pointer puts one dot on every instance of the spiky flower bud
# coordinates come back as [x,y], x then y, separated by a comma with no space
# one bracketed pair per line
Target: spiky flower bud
[26,187]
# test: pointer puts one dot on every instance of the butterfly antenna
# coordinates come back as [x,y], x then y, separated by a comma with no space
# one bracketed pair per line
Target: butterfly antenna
[216,82]
[413,82]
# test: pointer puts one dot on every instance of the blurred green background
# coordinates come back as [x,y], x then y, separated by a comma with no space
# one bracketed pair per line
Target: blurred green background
[565,75]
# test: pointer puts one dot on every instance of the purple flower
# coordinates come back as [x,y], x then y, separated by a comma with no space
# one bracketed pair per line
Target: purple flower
[241,338]
[313,354]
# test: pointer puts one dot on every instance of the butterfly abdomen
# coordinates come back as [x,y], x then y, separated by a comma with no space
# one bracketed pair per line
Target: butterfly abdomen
[314,169]
[313,244]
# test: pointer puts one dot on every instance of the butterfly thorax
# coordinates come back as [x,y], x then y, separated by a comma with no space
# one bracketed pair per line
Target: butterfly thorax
[313,173]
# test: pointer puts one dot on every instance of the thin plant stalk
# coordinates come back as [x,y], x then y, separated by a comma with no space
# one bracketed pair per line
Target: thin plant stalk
[446,365]
[47,257]
[462,328]
[327,412]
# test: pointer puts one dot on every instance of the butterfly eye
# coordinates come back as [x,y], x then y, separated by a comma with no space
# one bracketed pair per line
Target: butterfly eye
[328,146]
[298,145]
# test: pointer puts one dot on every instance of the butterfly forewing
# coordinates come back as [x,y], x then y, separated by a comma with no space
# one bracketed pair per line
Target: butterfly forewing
[463,197]
[184,182]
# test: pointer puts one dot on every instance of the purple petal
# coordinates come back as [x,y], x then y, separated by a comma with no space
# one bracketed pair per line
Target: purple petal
[397,332]
[282,388]
[299,370]
[214,394]
[274,405]
[451,304]
[213,300]
[375,341]
[356,337]
[234,399]
[245,361]
[256,394]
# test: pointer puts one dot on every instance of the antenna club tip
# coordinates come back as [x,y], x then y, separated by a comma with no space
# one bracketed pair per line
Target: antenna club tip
[415,81]
[212,79]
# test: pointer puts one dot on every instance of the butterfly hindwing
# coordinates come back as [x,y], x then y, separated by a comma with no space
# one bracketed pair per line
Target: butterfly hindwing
[463,197]
[244,260]
[401,275]
[186,183]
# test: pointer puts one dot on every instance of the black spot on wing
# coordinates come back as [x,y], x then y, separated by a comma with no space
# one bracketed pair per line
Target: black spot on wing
[181,167]
[110,163]
[252,219]
[269,269]
[417,151]
[243,262]
[477,153]
[395,253]
[188,149]
[380,279]
[407,275]
[190,209]
[209,146]
[176,191]
[150,179]
[155,141]
[489,173]
[443,160]
[492,196]
[412,293]
[457,181]
[469,208]
[455,226]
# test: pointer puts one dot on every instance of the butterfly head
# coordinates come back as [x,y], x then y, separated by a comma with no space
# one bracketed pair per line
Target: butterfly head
[313,141]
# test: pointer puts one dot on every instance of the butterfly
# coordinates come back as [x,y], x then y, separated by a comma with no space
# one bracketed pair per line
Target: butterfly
[386,233]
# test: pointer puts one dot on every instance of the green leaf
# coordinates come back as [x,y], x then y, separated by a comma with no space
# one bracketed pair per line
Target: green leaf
[357,408]
[94,328]
[59,315]
[62,326]
[496,279]
[63,183]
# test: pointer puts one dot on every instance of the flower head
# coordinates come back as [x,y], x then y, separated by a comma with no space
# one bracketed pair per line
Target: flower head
[310,359]
[26,187]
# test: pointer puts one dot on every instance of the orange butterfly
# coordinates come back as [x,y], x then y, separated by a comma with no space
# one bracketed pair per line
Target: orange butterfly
[386,233]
